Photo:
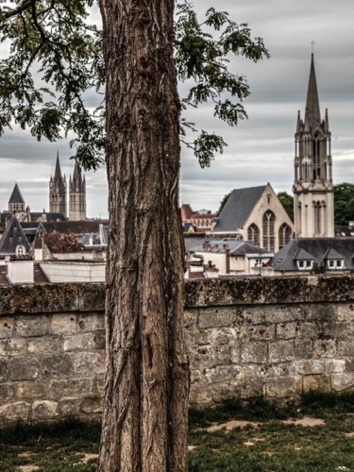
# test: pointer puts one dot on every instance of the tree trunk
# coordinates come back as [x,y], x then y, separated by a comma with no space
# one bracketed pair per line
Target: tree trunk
[147,378]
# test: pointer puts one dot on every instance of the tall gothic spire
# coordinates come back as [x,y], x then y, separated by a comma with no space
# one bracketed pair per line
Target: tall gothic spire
[312,113]
[57,174]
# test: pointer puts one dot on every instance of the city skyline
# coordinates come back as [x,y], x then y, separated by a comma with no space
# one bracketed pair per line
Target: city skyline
[261,149]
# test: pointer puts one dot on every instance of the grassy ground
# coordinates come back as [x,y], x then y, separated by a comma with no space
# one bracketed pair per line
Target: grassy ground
[318,437]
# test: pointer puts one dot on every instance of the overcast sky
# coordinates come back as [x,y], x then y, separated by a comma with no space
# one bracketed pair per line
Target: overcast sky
[260,149]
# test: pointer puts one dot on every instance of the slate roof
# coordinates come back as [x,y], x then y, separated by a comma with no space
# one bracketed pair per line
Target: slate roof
[51,217]
[12,237]
[238,208]
[76,227]
[236,248]
[321,249]
[16,196]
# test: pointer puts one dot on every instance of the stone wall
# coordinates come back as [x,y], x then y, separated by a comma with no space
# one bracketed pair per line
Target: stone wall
[276,336]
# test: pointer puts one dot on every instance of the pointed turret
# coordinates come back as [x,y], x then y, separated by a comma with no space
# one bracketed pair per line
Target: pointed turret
[16,196]
[57,190]
[312,113]
[57,174]
[313,186]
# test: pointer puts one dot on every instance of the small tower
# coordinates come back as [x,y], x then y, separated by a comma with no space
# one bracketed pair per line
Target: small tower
[313,186]
[16,202]
[77,195]
[57,191]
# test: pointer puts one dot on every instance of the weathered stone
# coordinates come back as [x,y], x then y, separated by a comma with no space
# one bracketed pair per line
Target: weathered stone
[90,322]
[346,312]
[6,327]
[28,326]
[284,387]
[63,324]
[80,342]
[303,348]
[84,362]
[320,382]
[321,312]
[281,351]
[56,366]
[45,345]
[31,390]
[342,381]
[219,317]
[324,347]
[252,388]
[346,347]
[349,365]
[15,411]
[92,404]
[261,332]
[308,330]
[24,369]
[44,410]
[254,352]
[13,347]
[223,373]
[335,365]
[4,369]
[60,388]
[284,314]
[286,330]
[7,392]
[307,367]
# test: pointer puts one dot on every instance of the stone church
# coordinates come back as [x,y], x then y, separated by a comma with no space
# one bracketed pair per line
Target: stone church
[313,186]
[77,193]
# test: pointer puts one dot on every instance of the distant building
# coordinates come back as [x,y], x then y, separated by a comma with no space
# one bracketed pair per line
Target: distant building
[256,215]
[202,221]
[77,195]
[57,191]
[313,185]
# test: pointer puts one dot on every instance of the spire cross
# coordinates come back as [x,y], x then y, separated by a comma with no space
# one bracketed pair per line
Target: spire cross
[312,46]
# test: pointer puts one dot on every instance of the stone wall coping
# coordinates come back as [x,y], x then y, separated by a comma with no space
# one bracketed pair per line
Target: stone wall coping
[90,297]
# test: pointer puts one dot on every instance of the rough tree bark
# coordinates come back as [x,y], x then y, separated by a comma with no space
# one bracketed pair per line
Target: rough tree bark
[147,379]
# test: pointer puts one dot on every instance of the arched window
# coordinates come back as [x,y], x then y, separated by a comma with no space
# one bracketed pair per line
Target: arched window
[253,234]
[284,235]
[317,208]
[20,250]
[268,231]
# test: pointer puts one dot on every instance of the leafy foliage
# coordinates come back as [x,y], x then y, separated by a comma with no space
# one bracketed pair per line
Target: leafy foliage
[56,64]
[288,203]
[343,203]
[62,242]
[223,202]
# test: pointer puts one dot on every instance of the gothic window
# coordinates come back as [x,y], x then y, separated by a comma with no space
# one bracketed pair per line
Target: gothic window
[284,235]
[20,250]
[268,231]
[316,157]
[253,234]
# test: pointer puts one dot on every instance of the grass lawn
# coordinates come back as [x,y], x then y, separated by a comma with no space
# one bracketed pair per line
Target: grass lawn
[317,436]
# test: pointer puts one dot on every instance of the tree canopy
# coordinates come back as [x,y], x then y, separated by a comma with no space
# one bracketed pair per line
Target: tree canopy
[343,203]
[55,65]
[288,203]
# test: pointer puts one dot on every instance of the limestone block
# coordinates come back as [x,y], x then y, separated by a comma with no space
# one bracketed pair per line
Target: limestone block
[56,366]
[284,369]
[281,351]
[216,317]
[44,410]
[63,324]
[310,366]
[346,347]
[254,352]
[24,368]
[79,342]
[88,363]
[15,411]
[45,344]
[303,348]
[90,322]
[4,369]
[342,381]
[325,347]
[13,347]
[38,389]
[335,365]
[282,387]
[223,373]
[349,365]
[337,329]
[308,330]
[286,330]
[69,406]
[261,332]
[345,312]
[284,314]
[28,326]
[91,404]
[255,315]
[6,327]
[251,388]
[320,382]
[7,392]
[60,388]
[321,312]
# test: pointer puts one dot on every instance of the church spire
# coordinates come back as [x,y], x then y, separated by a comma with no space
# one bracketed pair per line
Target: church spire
[312,113]
[57,174]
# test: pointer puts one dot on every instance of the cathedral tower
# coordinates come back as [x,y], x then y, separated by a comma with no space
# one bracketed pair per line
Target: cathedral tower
[313,186]
[57,191]
[77,195]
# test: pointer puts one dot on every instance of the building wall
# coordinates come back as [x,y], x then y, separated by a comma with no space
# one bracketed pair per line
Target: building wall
[276,336]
